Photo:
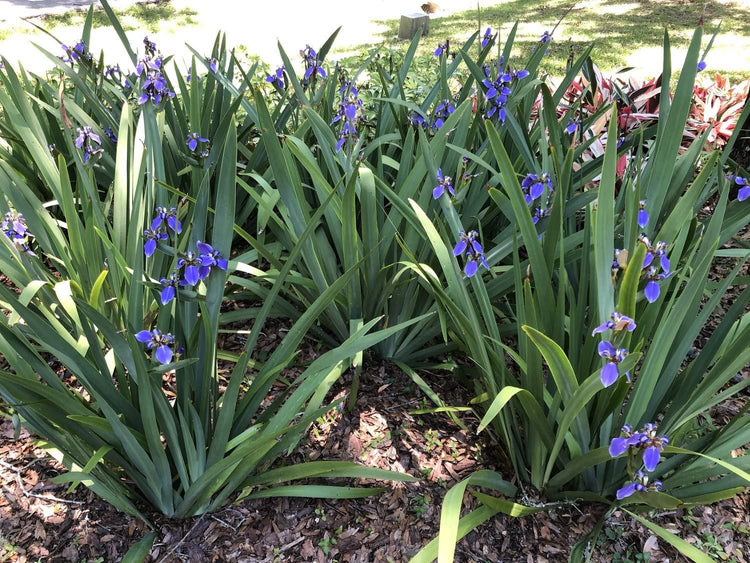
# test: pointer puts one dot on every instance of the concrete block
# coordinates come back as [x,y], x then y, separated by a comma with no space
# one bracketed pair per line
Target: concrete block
[410,23]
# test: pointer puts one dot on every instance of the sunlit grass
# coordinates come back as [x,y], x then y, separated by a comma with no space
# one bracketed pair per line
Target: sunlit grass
[624,33]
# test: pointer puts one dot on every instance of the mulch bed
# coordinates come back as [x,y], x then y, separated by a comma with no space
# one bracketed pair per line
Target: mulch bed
[39,521]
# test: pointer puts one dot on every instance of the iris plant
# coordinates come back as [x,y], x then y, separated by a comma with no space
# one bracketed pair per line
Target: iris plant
[14,227]
[153,236]
[161,342]
[640,483]
[77,53]
[610,371]
[470,247]
[617,323]
[645,440]
[193,139]
[442,112]
[744,183]
[86,138]
[170,288]
[313,67]
[444,183]
[653,275]
[209,258]
[162,215]
[349,112]
[642,214]
[277,78]
[110,134]
[498,89]
[487,37]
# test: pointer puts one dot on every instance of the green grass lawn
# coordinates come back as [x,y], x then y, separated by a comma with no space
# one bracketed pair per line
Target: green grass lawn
[624,33]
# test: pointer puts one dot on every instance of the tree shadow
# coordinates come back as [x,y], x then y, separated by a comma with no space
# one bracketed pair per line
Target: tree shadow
[618,29]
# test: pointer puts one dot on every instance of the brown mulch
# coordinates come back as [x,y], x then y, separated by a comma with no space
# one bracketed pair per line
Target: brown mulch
[39,521]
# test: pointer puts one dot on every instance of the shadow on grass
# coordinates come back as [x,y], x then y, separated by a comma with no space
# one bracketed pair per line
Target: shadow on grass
[617,28]
[148,16]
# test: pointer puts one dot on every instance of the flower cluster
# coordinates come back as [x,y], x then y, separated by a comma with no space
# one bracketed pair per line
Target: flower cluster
[533,187]
[350,113]
[744,183]
[85,140]
[653,275]
[472,250]
[444,183]
[14,227]
[277,78]
[79,52]
[161,342]
[194,266]
[313,68]
[158,231]
[644,443]
[498,89]
[192,142]
[155,87]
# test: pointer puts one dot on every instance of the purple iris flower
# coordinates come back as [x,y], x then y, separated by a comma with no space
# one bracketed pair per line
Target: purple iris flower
[110,134]
[86,139]
[152,237]
[619,322]
[474,254]
[498,90]
[444,183]
[701,66]
[208,259]
[277,78]
[170,288]
[533,186]
[645,440]
[487,37]
[350,113]
[169,216]
[162,342]
[614,356]
[213,64]
[441,48]
[313,67]
[193,139]
[652,289]
[642,214]
[14,227]
[546,37]
[573,124]
[417,120]
[442,112]
[149,46]
[744,183]
[192,265]
[639,484]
